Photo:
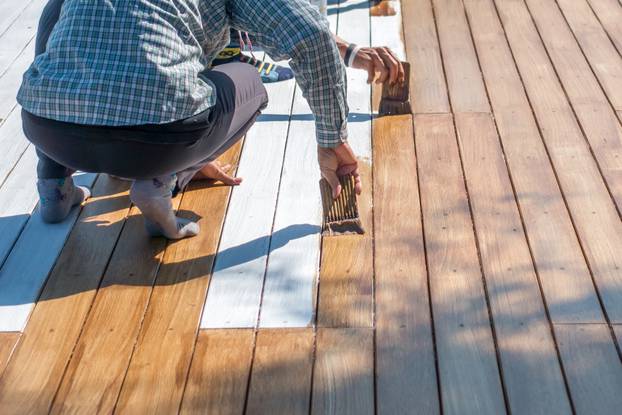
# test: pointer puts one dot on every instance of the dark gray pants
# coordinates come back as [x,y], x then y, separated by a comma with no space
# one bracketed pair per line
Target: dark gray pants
[148,151]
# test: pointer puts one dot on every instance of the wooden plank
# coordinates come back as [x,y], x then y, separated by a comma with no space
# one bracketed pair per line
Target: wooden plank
[529,361]
[235,290]
[158,370]
[18,197]
[289,293]
[31,378]
[8,340]
[599,122]
[593,367]
[429,91]
[19,34]
[601,54]
[281,378]
[13,144]
[564,275]
[467,360]
[11,80]
[609,13]
[21,278]
[617,331]
[466,87]
[594,215]
[405,370]
[219,373]
[10,10]
[343,381]
[94,375]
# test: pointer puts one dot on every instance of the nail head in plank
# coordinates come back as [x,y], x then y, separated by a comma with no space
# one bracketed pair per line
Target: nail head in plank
[428,87]
[159,367]
[564,275]
[531,371]
[592,366]
[467,360]
[94,375]
[343,381]
[405,370]
[219,373]
[8,340]
[34,372]
[281,378]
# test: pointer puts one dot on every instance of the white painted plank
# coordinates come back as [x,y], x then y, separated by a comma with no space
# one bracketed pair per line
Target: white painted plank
[13,144]
[390,38]
[291,277]
[29,263]
[20,34]
[235,290]
[18,197]
[11,80]
[10,10]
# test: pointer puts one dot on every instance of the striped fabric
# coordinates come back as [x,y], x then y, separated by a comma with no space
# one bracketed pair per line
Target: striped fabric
[135,62]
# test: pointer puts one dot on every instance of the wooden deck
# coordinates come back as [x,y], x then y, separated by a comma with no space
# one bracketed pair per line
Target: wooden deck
[489,280]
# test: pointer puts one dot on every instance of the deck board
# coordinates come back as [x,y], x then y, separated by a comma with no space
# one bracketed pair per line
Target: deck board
[609,14]
[31,379]
[8,340]
[219,373]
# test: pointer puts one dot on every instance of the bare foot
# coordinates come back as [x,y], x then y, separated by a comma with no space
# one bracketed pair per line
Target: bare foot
[216,171]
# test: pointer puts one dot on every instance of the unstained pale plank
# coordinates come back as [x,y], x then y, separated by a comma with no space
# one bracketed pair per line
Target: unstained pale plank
[281,378]
[8,340]
[609,13]
[219,373]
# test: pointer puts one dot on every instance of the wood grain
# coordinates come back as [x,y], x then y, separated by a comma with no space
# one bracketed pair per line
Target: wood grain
[157,373]
[281,378]
[464,80]
[609,13]
[428,88]
[94,375]
[564,275]
[8,340]
[595,217]
[405,370]
[19,34]
[343,381]
[219,373]
[593,367]
[38,363]
[467,360]
[591,106]
[531,370]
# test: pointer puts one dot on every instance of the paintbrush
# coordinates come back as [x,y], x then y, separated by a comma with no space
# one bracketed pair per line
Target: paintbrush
[395,98]
[341,215]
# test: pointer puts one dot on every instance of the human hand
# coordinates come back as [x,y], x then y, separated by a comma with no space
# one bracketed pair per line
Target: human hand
[381,60]
[338,161]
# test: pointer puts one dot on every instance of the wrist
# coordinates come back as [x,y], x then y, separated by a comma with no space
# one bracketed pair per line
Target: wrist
[351,51]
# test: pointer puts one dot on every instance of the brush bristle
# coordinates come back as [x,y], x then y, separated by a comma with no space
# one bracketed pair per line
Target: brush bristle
[341,215]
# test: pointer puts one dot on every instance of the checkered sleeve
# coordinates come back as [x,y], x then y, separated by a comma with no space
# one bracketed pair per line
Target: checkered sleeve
[293,29]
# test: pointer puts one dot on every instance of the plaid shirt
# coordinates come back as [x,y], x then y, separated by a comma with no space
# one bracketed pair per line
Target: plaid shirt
[135,62]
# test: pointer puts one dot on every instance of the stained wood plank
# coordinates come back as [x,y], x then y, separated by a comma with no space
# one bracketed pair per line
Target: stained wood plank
[21,278]
[8,340]
[593,367]
[531,370]
[429,91]
[564,274]
[601,54]
[469,375]
[94,375]
[405,370]
[281,378]
[31,378]
[609,13]
[464,80]
[594,215]
[343,381]
[235,290]
[597,118]
[158,370]
[219,373]
[346,273]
